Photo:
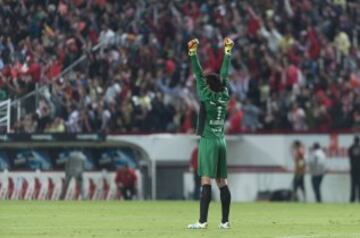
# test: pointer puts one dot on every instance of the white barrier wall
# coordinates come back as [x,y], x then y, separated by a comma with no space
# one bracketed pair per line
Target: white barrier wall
[246,150]
[245,186]
[257,151]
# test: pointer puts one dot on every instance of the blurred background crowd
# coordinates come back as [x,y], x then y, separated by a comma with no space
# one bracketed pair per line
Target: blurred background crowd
[295,65]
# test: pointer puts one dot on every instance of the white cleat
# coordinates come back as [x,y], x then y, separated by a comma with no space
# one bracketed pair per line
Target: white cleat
[198,225]
[225,225]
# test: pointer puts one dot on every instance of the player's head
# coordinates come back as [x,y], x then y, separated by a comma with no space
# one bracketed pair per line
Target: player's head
[214,81]
[316,146]
[297,143]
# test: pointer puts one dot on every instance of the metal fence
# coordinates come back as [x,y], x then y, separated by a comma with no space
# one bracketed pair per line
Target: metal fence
[5,116]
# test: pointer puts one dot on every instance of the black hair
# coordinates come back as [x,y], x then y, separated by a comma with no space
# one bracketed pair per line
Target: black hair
[316,146]
[297,143]
[356,139]
[215,82]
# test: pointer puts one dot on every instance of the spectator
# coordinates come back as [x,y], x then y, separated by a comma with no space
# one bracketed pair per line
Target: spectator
[126,182]
[57,126]
[251,116]
[317,169]
[342,43]
[354,155]
[281,60]
[112,92]
[297,118]
[234,124]
[272,36]
[73,125]
[107,36]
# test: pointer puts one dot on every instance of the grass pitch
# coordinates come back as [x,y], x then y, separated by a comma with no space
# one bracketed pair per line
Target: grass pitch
[168,219]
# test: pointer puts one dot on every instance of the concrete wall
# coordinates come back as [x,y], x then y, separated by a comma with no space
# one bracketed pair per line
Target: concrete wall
[245,186]
[254,152]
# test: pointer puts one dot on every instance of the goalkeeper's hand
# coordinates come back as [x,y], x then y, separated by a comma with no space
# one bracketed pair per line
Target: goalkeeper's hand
[192,46]
[228,45]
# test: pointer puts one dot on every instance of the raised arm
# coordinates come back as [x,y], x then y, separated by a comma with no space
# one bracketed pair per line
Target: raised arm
[196,67]
[224,71]
[192,51]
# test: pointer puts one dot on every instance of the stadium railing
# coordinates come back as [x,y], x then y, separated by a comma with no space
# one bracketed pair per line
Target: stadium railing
[28,103]
[5,115]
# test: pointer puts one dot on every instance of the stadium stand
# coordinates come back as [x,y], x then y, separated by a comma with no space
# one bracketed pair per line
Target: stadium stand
[295,66]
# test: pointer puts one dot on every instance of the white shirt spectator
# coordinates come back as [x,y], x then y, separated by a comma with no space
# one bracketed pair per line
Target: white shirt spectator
[114,56]
[105,119]
[273,38]
[107,37]
[111,92]
[73,122]
[297,118]
[317,162]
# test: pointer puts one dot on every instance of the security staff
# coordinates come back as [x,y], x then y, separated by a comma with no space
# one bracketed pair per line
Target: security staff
[74,168]
[354,155]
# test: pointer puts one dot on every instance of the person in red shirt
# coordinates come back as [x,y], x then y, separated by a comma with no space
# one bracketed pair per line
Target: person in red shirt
[234,125]
[126,182]
[194,169]
[254,22]
[54,69]
[34,71]
[314,48]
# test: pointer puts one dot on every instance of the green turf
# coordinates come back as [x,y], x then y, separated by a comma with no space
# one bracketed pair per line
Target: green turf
[169,219]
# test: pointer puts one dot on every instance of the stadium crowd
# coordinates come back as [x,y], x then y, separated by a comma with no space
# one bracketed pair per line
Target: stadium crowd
[295,65]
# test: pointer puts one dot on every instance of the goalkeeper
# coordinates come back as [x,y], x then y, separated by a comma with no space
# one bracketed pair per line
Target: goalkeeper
[213,92]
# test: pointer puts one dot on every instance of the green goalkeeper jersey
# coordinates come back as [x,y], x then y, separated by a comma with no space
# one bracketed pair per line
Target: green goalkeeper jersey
[213,105]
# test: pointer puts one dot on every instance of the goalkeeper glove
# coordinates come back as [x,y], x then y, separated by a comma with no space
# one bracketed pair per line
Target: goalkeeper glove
[192,46]
[228,45]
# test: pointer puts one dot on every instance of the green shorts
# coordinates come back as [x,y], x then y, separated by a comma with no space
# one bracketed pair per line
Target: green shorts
[212,158]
